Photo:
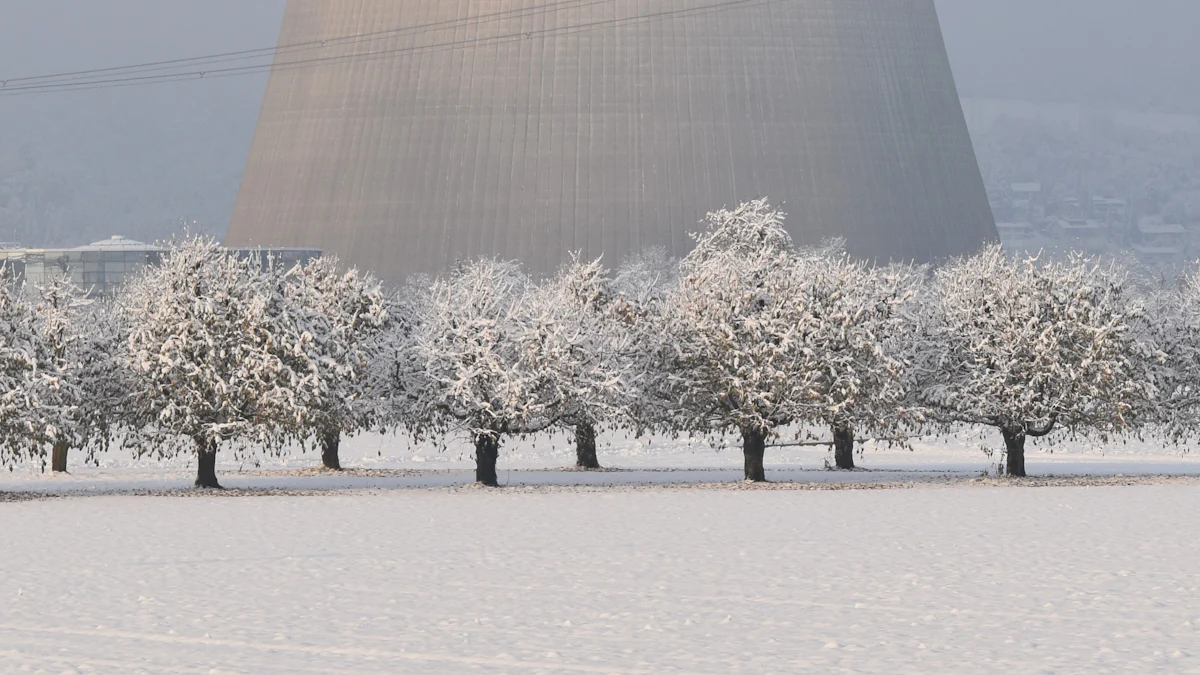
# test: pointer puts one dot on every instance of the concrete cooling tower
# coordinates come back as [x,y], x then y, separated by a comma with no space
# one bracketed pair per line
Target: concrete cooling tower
[403,135]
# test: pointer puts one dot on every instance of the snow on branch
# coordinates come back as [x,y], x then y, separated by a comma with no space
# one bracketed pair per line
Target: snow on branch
[1031,346]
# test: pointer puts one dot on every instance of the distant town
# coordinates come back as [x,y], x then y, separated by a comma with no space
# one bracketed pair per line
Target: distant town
[1030,218]
[1063,177]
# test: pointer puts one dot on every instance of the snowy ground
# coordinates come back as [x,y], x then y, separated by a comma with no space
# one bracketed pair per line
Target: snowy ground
[391,462]
[117,573]
[950,580]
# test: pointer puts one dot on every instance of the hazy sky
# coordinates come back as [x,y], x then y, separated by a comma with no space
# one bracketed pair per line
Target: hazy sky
[135,160]
[1133,53]
[40,37]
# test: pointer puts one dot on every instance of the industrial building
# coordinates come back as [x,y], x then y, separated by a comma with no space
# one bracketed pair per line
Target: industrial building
[104,266]
[403,135]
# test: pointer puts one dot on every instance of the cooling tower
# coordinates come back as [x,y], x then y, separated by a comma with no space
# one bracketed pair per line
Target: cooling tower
[403,135]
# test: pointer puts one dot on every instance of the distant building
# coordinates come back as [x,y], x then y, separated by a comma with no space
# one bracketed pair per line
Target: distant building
[1015,235]
[1157,242]
[1083,234]
[1111,211]
[1186,208]
[103,266]
[1072,208]
[1026,204]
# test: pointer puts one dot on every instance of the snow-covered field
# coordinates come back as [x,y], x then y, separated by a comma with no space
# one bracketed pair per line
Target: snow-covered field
[950,580]
[352,574]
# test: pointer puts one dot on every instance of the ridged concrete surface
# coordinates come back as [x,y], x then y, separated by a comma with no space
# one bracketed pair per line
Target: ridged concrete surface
[529,128]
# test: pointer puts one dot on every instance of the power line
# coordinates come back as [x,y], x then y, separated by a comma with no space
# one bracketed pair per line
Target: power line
[333,60]
[115,82]
[246,54]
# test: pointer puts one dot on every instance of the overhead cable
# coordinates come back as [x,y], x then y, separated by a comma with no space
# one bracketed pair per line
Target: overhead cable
[127,80]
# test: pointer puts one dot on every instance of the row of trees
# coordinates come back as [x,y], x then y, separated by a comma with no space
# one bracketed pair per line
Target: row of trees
[747,334]
[208,351]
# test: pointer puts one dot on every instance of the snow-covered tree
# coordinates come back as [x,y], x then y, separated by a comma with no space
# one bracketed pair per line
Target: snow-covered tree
[643,286]
[83,341]
[647,276]
[28,380]
[1173,323]
[1029,347]
[346,314]
[396,374]
[215,356]
[854,326]
[729,342]
[472,346]
[583,347]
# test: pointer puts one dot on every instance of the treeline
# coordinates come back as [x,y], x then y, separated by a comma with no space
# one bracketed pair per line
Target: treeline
[211,352]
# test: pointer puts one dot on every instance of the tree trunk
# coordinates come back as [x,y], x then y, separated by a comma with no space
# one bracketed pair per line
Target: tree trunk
[58,456]
[585,446]
[1014,444]
[754,446]
[843,447]
[330,440]
[206,466]
[487,451]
